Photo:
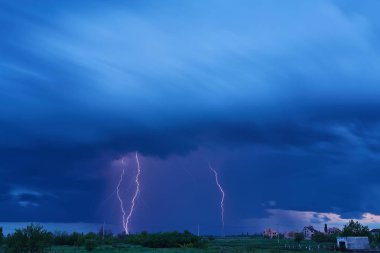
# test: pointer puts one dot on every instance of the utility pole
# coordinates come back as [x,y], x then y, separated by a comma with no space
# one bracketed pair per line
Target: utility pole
[198,229]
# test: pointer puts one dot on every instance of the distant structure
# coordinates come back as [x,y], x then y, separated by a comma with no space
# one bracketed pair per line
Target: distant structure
[289,235]
[308,232]
[375,231]
[333,231]
[353,243]
[270,233]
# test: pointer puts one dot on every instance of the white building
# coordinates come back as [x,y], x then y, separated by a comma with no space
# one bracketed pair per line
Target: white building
[353,243]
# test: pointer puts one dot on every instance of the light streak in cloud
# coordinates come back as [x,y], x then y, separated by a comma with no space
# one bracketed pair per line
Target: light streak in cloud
[137,181]
[222,193]
[121,200]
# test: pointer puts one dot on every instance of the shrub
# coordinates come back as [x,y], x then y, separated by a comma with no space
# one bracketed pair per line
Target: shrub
[1,236]
[376,239]
[298,237]
[166,240]
[321,237]
[32,239]
[211,238]
[90,245]
[275,251]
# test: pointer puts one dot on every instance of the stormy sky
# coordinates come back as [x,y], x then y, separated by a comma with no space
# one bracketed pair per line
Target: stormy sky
[282,98]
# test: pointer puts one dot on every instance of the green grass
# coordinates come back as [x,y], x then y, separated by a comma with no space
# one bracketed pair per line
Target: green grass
[259,245]
[126,249]
[219,245]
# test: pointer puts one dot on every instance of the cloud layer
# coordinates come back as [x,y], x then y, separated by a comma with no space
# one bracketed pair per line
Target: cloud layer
[283,98]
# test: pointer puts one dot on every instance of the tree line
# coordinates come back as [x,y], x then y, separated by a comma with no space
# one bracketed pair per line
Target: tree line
[35,239]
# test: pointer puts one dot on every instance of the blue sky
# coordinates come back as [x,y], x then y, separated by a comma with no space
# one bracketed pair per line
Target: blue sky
[282,98]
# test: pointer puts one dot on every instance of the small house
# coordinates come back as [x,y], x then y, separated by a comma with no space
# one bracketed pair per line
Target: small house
[270,233]
[308,232]
[353,243]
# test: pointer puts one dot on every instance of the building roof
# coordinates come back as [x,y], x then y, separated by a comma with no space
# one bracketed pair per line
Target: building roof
[333,230]
[311,228]
[351,237]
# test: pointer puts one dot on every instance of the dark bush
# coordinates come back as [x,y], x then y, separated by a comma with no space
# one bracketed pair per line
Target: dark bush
[167,240]
[32,239]
[299,237]
[74,239]
[90,244]
[1,236]
[321,237]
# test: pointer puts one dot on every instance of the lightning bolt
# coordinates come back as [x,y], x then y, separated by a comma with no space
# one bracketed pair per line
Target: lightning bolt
[137,181]
[121,200]
[222,193]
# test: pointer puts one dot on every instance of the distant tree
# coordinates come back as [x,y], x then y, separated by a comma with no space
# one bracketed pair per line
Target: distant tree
[61,238]
[325,228]
[2,249]
[91,236]
[32,239]
[104,233]
[321,237]
[376,239]
[354,228]
[167,240]
[298,237]
[1,236]
[77,239]
[17,242]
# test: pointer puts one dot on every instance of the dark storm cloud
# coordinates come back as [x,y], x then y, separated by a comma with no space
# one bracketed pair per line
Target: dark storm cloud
[76,93]
[297,83]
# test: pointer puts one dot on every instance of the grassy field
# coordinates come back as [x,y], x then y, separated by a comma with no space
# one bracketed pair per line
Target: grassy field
[222,245]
